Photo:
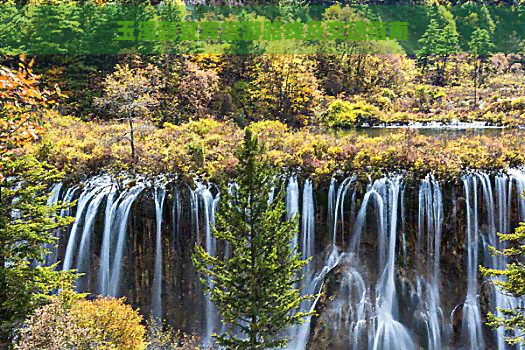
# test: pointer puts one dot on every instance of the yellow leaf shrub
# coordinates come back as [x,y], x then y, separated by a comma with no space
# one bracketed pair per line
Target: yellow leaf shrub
[111,324]
[102,324]
[206,148]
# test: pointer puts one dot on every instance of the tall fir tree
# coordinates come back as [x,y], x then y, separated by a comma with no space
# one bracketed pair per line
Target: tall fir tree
[480,47]
[254,290]
[511,281]
[438,43]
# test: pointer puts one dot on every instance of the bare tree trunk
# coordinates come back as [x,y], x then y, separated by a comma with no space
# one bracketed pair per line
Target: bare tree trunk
[476,72]
[131,136]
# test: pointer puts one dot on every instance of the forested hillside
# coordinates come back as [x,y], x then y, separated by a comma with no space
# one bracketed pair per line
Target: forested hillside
[124,123]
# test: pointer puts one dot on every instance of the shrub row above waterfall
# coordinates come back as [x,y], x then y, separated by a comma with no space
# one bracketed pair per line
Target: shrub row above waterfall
[205,148]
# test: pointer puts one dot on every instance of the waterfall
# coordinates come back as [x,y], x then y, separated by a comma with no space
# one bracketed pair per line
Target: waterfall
[499,223]
[373,305]
[519,177]
[331,203]
[311,285]
[500,300]
[85,242]
[389,332]
[209,205]
[386,332]
[177,209]
[430,218]
[68,196]
[92,189]
[50,258]
[292,197]
[55,194]
[119,226]
[292,203]
[308,224]
[301,334]
[339,206]
[471,312]
[159,195]
[361,217]
[105,250]
[85,196]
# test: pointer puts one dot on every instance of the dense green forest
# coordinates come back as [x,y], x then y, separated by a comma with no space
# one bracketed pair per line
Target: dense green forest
[76,102]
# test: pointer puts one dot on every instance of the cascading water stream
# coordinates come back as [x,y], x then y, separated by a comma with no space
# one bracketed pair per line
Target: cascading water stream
[308,227]
[498,224]
[104,265]
[292,203]
[68,197]
[518,176]
[430,219]
[83,255]
[209,205]
[50,258]
[92,190]
[300,335]
[292,197]
[331,203]
[339,205]
[364,309]
[120,225]
[389,332]
[159,196]
[471,312]
[84,199]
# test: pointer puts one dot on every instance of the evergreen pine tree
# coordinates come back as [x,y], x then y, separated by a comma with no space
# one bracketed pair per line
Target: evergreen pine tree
[27,224]
[480,47]
[254,289]
[437,44]
[511,281]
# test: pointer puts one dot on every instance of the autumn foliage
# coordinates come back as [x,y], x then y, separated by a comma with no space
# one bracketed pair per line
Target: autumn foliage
[102,324]
[24,108]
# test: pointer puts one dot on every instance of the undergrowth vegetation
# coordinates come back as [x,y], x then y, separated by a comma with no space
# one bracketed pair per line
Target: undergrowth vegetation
[205,148]
[69,321]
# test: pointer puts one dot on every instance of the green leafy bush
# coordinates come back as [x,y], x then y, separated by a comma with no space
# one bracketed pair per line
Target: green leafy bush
[344,114]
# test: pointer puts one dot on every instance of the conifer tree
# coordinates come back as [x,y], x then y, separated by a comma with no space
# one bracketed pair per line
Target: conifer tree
[254,289]
[511,281]
[480,47]
[437,44]
[27,224]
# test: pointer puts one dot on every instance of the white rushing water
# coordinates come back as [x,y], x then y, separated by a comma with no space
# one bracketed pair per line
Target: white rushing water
[430,225]
[292,204]
[203,196]
[374,306]
[471,312]
[53,199]
[119,227]
[159,195]
[308,226]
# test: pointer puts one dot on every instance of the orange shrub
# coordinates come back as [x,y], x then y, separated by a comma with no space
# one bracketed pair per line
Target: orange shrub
[103,324]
